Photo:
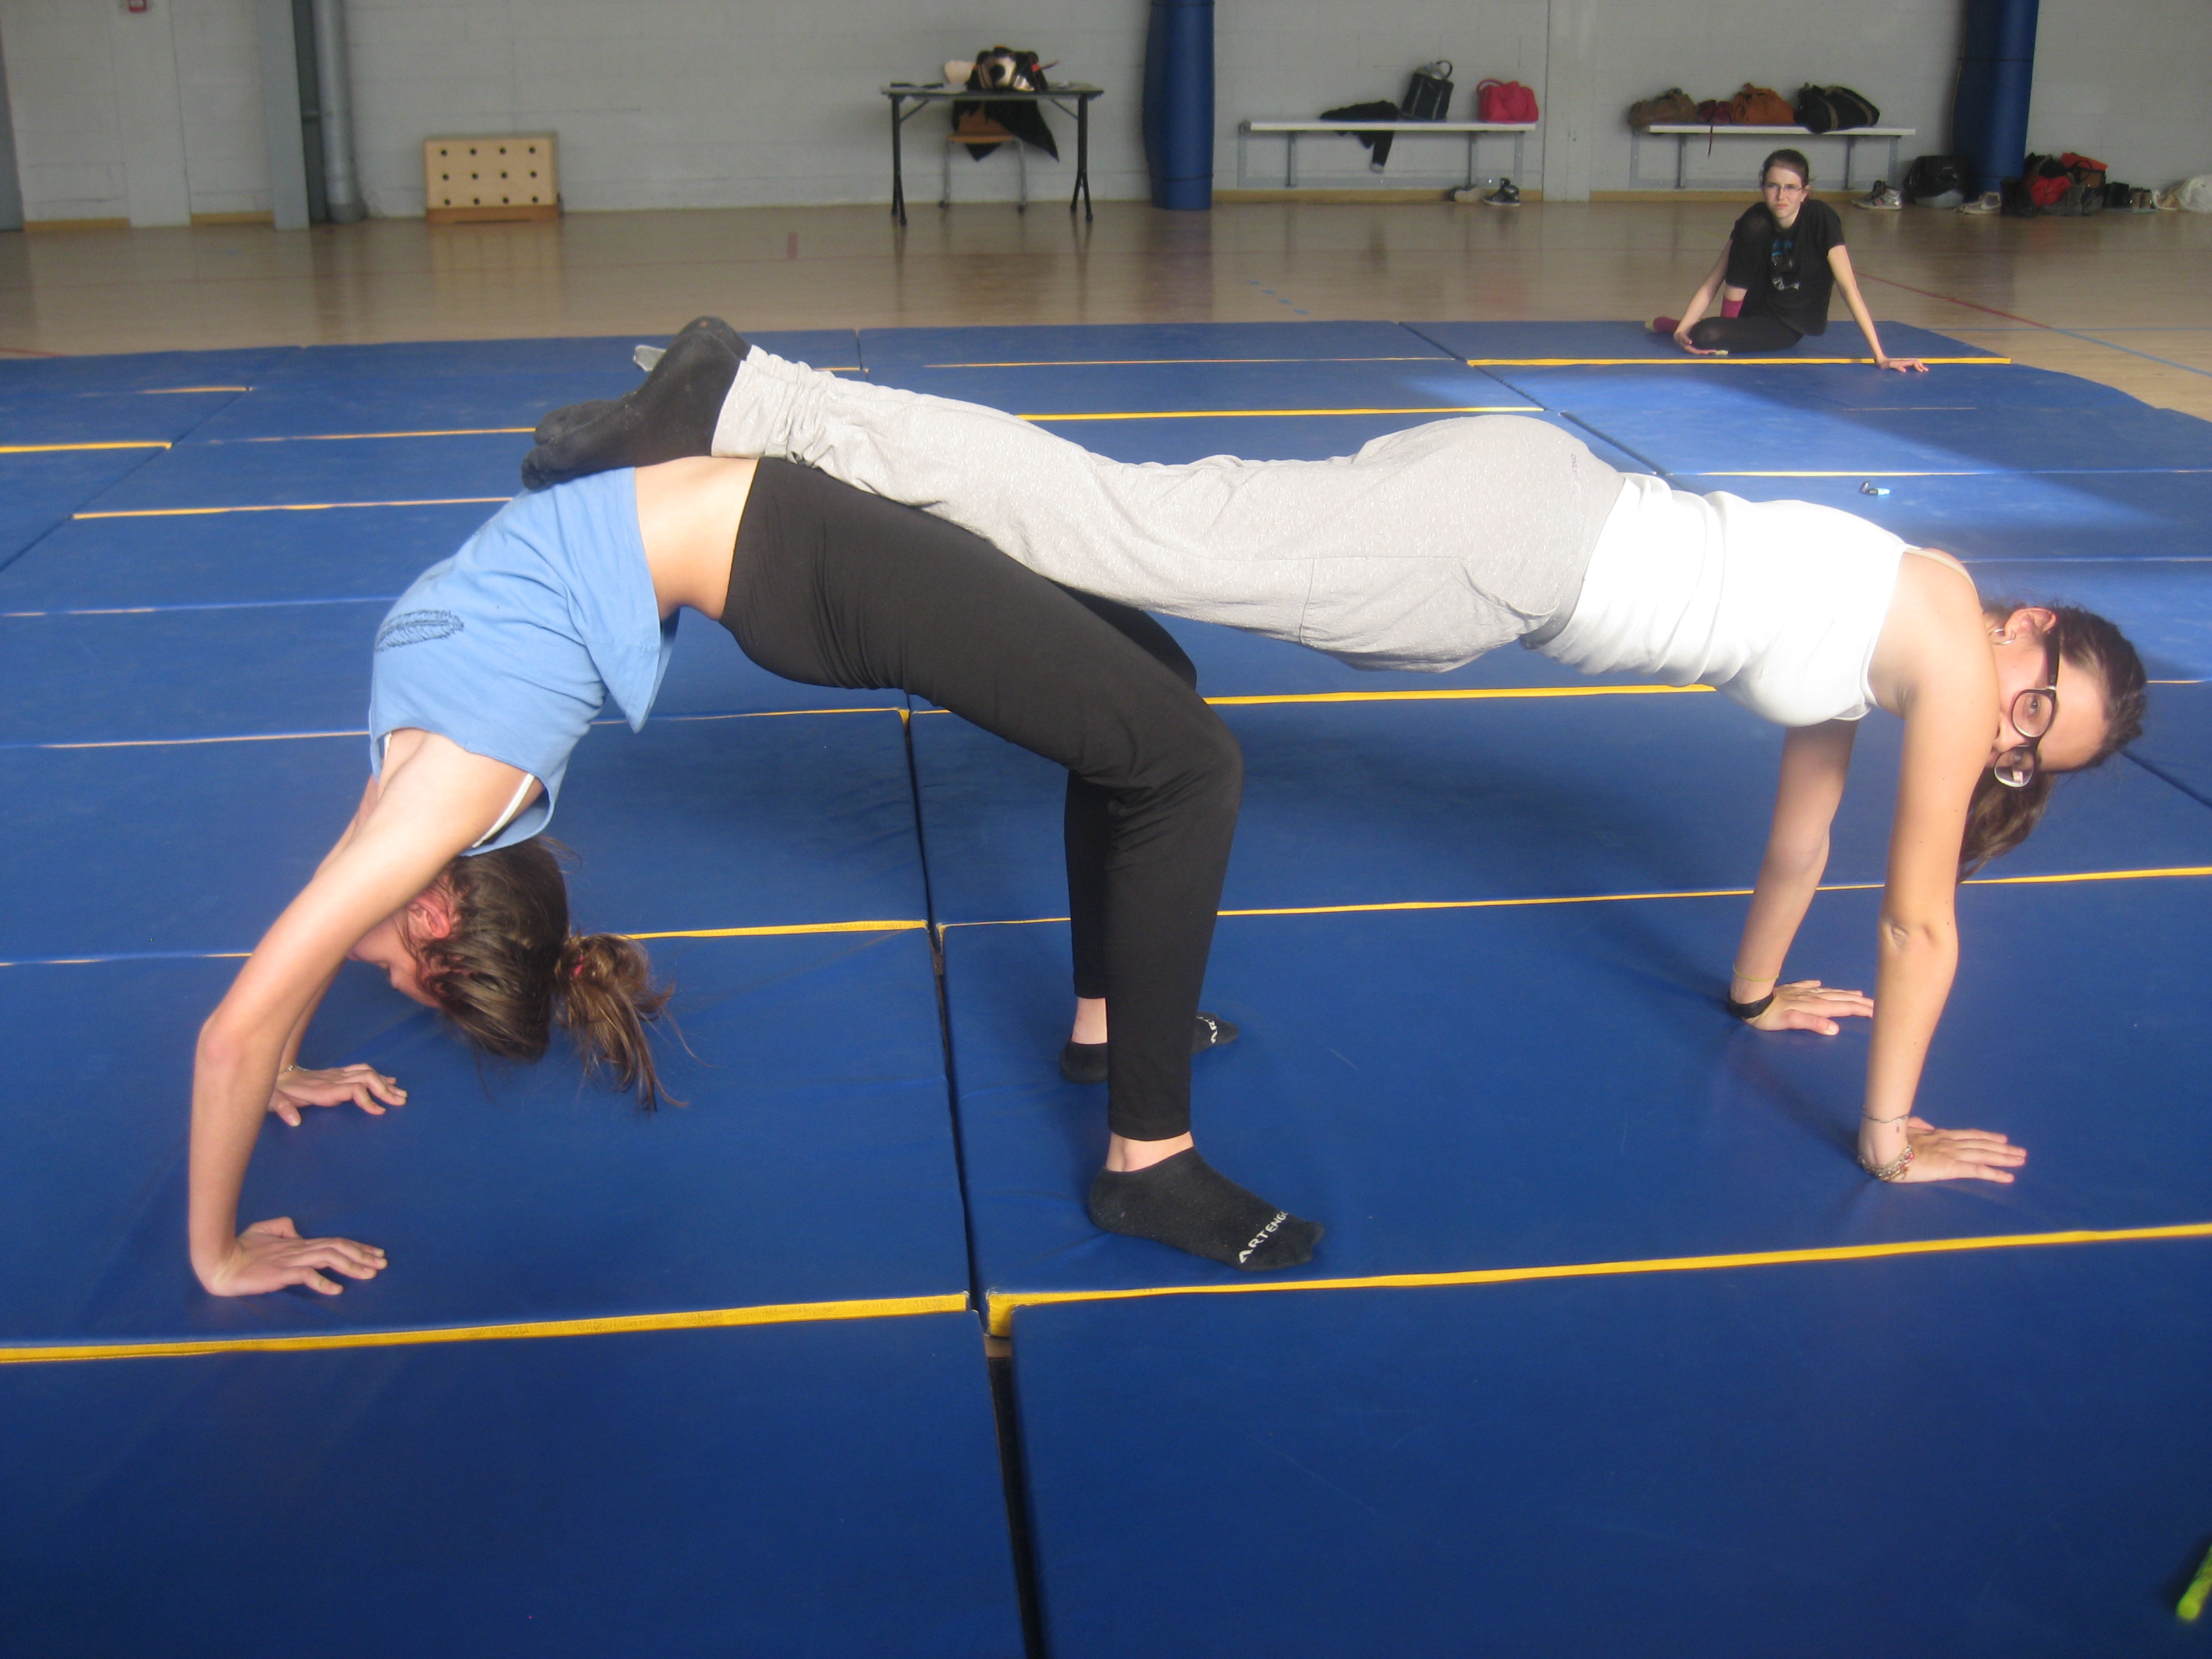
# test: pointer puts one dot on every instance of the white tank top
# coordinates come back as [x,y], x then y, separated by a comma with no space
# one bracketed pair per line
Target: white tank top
[1776,604]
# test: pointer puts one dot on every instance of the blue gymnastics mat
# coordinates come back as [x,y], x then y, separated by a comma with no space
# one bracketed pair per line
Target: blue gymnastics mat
[1427,389]
[325,408]
[774,821]
[1459,1091]
[896,350]
[1525,345]
[2177,740]
[482,469]
[806,1168]
[2164,606]
[41,418]
[1749,391]
[40,491]
[182,674]
[1515,797]
[826,1489]
[161,372]
[1989,1456]
[234,558]
[1878,443]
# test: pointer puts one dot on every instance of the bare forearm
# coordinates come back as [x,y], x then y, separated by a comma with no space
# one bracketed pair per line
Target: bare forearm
[1778,903]
[231,1082]
[1913,983]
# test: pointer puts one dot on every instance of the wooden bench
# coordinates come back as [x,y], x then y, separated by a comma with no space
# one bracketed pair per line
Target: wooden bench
[1290,132]
[1683,134]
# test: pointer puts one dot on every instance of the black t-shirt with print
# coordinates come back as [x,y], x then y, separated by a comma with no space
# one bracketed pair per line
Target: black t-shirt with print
[1784,273]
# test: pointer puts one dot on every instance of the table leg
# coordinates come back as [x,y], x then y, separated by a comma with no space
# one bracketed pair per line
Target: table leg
[898,184]
[1082,158]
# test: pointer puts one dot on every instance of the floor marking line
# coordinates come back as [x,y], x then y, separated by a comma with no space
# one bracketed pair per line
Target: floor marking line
[2176,872]
[1686,362]
[1271,414]
[291,506]
[1158,362]
[786,1313]
[350,437]
[792,927]
[1929,293]
[1002,1304]
[2090,339]
[49,449]
[177,390]
[1461,696]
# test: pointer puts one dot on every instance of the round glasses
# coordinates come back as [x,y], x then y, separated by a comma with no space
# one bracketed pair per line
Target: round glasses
[1784,187]
[2033,712]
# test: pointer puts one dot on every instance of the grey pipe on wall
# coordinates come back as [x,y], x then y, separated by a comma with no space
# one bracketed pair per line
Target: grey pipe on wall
[341,185]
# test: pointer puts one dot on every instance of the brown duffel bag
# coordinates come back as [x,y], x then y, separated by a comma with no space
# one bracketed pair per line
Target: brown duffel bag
[1670,109]
[1762,107]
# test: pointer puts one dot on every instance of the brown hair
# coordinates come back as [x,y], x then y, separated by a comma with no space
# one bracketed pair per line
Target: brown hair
[1793,160]
[1997,818]
[510,965]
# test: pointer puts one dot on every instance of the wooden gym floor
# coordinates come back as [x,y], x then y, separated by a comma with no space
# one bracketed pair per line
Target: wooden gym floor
[2117,298]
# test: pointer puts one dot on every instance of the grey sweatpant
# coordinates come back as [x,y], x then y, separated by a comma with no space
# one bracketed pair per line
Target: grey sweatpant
[1426,549]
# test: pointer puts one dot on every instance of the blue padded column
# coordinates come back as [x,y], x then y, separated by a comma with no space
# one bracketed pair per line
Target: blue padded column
[1996,67]
[1179,103]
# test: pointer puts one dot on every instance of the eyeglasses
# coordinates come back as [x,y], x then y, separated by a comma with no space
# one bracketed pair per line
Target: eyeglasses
[2033,713]
[1784,188]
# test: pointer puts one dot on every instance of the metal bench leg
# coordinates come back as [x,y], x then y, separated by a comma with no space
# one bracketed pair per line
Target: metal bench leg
[944,196]
[1021,177]
[1517,137]
[1290,160]
[1681,156]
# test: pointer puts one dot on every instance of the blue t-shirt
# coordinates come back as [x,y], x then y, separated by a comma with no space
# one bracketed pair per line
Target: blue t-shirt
[511,646]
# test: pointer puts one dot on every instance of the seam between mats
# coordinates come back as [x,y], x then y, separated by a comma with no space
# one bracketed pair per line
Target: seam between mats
[772,930]
[2166,777]
[1275,414]
[1001,1305]
[38,540]
[784,1313]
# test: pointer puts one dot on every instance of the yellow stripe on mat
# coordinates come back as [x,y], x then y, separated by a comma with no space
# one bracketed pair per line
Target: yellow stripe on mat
[1158,362]
[792,927]
[292,506]
[785,1312]
[49,449]
[2176,872]
[1687,361]
[346,437]
[1270,414]
[1462,696]
[1002,1304]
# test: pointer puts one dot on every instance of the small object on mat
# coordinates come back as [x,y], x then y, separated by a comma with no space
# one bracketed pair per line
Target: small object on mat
[2191,1604]
[1870,488]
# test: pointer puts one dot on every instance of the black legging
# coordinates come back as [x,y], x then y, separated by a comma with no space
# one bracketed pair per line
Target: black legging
[832,585]
[1748,335]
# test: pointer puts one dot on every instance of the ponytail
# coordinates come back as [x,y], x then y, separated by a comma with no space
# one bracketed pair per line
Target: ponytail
[607,998]
[509,962]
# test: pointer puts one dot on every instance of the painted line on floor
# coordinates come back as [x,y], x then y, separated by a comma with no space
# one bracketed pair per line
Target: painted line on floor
[785,1312]
[1002,1304]
[1162,362]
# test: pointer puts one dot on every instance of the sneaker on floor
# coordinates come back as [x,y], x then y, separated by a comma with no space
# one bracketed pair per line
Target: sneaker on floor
[1988,201]
[1504,196]
[1881,199]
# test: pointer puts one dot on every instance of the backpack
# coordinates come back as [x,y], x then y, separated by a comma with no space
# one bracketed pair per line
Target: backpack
[1935,176]
[1814,113]
[1428,94]
[1762,107]
[1671,108]
[1852,109]
[1505,100]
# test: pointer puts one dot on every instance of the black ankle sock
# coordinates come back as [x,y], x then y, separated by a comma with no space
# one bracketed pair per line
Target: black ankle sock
[1085,1062]
[1186,1202]
[669,418]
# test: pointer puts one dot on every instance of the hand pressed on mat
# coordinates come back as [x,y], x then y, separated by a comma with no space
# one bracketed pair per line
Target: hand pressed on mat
[1806,1005]
[271,1255]
[364,1086]
[1945,1154]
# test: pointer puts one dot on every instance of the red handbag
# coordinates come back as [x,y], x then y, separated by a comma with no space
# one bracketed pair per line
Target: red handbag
[1503,100]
